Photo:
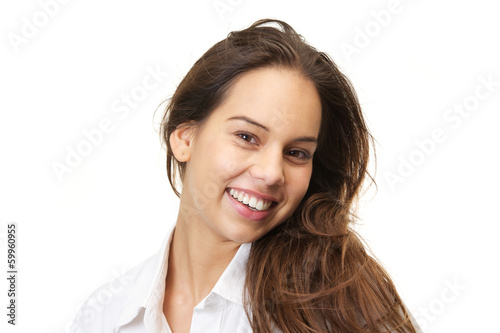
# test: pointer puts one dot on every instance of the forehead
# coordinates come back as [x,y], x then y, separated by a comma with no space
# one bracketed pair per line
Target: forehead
[280,99]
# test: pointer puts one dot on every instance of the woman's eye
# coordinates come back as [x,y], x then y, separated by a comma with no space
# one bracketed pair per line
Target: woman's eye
[297,154]
[246,137]
[301,155]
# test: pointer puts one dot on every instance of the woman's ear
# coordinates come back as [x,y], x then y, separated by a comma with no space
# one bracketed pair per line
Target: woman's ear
[181,140]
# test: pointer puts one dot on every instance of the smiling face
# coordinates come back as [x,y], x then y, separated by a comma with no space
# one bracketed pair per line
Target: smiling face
[250,162]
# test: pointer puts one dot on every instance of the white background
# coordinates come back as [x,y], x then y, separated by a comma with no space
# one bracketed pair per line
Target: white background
[435,229]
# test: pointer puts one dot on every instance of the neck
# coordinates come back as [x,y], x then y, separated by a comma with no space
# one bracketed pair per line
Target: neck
[197,259]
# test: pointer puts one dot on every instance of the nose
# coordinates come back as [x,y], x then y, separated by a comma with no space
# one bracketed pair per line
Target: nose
[268,167]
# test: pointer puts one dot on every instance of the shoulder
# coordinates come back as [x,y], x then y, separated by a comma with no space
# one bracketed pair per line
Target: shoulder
[109,304]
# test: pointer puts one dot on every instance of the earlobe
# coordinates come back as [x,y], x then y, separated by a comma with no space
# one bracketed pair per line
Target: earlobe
[181,142]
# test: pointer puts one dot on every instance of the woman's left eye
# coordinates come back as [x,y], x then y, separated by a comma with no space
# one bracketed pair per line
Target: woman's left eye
[301,155]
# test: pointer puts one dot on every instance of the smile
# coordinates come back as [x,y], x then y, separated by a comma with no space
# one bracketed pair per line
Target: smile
[253,202]
[250,205]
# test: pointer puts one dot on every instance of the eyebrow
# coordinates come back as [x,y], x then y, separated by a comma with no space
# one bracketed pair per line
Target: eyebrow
[253,122]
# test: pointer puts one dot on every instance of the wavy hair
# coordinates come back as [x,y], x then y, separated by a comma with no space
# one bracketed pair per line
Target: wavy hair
[312,272]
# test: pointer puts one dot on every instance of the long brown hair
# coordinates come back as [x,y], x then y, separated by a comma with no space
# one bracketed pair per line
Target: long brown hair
[311,273]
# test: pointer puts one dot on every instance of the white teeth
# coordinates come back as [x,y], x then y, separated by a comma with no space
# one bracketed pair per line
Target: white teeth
[258,204]
[246,199]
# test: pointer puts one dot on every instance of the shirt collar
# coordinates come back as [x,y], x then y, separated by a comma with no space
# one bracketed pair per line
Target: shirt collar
[232,281]
[148,289]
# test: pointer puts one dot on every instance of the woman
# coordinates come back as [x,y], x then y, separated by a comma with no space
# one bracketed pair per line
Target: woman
[269,142]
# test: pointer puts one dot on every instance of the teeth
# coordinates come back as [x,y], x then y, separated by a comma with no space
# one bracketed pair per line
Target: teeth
[246,199]
[258,204]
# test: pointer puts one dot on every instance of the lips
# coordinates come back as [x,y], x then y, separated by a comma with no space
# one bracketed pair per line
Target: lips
[255,202]
[249,204]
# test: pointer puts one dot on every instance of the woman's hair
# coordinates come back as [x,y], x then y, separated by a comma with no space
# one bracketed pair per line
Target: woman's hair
[311,273]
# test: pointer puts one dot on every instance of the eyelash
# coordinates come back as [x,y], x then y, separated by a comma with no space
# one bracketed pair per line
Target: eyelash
[239,134]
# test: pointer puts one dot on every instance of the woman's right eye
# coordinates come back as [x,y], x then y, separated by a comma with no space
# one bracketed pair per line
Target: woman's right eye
[247,137]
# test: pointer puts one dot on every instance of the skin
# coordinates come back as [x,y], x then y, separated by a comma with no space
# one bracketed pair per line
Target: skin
[225,153]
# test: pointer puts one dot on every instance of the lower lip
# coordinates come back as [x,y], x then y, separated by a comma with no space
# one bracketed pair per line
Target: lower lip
[246,212]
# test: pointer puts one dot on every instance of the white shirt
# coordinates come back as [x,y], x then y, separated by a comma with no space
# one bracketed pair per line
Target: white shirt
[133,303]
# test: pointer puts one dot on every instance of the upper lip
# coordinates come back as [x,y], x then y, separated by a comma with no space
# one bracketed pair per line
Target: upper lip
[255,194]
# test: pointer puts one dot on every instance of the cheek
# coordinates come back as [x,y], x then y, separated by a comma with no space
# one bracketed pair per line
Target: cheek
[223,162]
[299,182]
[204,166]
[228,160]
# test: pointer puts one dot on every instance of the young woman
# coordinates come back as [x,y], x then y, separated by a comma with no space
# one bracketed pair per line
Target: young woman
[267,149]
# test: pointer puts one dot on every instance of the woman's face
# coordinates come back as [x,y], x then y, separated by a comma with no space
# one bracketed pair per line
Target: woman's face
[249,164]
